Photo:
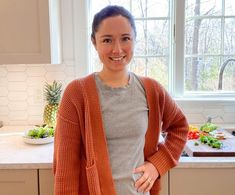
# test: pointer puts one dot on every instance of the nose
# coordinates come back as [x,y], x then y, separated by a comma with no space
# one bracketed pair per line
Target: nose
[117,47]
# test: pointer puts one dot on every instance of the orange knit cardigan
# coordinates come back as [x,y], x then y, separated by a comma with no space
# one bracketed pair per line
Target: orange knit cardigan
[81,160]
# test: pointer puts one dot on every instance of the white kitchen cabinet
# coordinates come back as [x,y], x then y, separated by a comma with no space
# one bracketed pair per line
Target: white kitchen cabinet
[46,182]
[13,182]
[164,190]
[26,31]
[202,181]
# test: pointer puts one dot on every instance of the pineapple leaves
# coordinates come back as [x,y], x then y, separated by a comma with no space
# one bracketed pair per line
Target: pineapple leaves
[52,92]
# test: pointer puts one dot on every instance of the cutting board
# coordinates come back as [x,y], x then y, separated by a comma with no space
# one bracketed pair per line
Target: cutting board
[203,150]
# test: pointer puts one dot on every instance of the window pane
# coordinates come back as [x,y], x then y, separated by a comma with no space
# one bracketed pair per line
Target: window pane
[202,73]
[138,8]
[229,7]
[158,37]
[138,65]
[204,8]
[152,37]
[141,40]
[203,36]
[158,8]
[98,5]
[229,36]
[158,69]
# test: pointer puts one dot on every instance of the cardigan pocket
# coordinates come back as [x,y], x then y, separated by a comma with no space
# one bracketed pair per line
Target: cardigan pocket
[93,179]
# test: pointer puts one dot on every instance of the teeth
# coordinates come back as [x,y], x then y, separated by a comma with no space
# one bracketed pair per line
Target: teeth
[117,59]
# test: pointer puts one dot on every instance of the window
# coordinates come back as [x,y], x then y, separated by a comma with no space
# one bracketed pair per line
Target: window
[209,43]
[182,44]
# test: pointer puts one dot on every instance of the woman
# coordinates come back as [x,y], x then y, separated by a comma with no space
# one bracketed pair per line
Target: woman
[109,122]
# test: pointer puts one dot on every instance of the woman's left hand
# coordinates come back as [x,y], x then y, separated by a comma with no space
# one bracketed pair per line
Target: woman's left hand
[149,175]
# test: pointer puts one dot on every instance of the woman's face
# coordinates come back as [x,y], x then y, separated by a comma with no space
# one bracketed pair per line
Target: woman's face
[114,42]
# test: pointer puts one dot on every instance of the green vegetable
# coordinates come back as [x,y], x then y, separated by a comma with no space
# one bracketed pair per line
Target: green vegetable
[211,141]
[196,143]
[208,127]
[41,132]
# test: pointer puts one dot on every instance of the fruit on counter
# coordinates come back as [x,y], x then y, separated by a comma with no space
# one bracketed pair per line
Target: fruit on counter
[193,128]
[52,93]
[40,132]
[210,141]
[208,127]
[193,135]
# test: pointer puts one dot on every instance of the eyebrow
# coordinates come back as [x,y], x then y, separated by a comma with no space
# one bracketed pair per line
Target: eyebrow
[125,34]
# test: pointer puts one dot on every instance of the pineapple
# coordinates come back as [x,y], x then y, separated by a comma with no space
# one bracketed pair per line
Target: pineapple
[52,93]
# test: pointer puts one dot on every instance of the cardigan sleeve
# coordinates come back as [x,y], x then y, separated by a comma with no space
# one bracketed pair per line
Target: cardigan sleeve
[175,125]
[66,161]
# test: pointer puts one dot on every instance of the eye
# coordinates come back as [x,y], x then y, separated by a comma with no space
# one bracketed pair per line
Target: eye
[126,38]
[106,40]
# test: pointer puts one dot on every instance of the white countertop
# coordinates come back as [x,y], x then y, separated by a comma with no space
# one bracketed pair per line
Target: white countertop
[15,154]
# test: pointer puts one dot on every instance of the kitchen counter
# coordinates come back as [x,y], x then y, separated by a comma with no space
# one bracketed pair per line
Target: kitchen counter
[15,154]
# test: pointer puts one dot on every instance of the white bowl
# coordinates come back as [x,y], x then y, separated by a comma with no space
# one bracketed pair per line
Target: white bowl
[38,141]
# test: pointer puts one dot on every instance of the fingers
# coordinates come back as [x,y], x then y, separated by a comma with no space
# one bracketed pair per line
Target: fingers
[144,184]
[149,175]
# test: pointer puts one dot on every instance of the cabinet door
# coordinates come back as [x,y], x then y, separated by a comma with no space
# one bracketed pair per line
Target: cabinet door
[203,181]
[164,190]
[24,32]
[13,182]
[46,182]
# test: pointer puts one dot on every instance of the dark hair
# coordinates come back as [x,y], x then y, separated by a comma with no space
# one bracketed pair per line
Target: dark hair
[110,11]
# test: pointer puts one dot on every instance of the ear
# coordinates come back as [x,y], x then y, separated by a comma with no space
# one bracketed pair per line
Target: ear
[93,42]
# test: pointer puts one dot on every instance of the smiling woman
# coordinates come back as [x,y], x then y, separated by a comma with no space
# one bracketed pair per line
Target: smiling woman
[125,112]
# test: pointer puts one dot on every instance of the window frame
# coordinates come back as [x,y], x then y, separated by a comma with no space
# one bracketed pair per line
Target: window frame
[176,71]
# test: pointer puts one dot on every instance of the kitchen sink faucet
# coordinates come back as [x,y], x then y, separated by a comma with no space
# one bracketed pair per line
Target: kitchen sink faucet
[221,72]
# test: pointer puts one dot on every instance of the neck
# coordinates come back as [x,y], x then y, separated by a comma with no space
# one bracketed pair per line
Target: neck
[114,79]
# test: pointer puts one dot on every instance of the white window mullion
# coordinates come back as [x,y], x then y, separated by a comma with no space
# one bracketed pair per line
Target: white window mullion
[178,59]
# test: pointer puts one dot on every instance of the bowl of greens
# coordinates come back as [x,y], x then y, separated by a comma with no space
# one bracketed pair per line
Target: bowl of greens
[39,135]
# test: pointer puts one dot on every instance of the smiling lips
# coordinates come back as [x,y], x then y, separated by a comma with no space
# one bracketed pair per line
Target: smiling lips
[117,58]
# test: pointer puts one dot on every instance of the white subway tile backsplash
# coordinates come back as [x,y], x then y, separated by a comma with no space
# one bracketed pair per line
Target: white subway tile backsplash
[35,81]
[35,110]
[17,86]
[50,76]
[208,112]
[3,71]
[19,106]
[3,101]
[229,109]
[16,68]
[3,91]
[4,111]
[55,68]
[35,120]
[17,96]
[3,81]
[195,118]
[32,101]
[16,76]
[22,101]
[229,118]
[36,71]
[18,115]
